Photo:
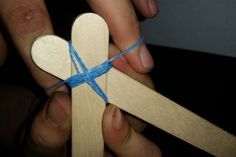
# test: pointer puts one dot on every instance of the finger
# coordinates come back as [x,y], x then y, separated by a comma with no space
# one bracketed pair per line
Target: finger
[122,139]
[137,124]
[122,65]
[25,21]
[3,49]
[125,30]
[51,128]
[148,8]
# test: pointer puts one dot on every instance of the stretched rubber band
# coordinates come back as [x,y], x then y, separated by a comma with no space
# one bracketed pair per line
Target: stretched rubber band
[89,75]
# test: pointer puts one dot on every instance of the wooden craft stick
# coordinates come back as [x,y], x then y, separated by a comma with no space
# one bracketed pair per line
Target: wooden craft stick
[90,39]
[165,114]
[50,53]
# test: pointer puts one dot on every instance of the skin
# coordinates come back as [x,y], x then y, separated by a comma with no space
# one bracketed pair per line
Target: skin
[26,19]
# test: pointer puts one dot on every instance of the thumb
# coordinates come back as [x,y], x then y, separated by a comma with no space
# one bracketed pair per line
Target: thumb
[122,139]
[51,128]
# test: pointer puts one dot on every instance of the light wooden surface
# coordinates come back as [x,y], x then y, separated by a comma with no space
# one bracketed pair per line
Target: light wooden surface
[143,102]
[90,38]
[50,53]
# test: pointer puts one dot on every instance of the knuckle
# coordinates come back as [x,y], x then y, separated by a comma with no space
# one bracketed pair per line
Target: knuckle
[26,18]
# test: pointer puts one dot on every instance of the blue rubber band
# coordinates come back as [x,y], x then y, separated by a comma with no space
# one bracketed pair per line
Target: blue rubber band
[89,75]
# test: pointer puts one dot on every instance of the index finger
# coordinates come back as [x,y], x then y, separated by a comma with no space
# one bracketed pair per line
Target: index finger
[26,20]
[125,30]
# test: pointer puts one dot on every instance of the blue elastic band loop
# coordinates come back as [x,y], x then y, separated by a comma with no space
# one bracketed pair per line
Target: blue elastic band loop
[89,75]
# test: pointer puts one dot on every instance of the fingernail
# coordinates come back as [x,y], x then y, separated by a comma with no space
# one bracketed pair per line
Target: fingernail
[152,4]
[146,57]
[55,113]
[118,119]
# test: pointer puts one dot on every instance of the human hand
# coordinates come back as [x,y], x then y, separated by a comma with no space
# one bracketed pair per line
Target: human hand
[50,129]
[125,28]
[122,139]
[26,20]
[121,132]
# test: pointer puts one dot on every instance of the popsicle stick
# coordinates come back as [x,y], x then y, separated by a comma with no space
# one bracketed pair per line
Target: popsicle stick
[90,39]
[50,53]
[165,114]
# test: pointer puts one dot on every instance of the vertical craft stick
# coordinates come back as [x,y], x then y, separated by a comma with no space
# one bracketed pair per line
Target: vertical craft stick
[90,39]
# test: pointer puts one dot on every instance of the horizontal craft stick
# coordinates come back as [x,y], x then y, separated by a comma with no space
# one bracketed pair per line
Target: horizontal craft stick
[165,114]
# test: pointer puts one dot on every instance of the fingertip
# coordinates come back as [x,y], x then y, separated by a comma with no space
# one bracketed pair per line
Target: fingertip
[124,66]
[59,109]
[146,58]
[148,8]
[139,60]
[153,8]
[51,127]
[122,139]
[115,128]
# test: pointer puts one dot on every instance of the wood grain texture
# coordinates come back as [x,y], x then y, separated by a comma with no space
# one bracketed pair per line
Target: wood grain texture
[90,39]
[50,53]
[165,114]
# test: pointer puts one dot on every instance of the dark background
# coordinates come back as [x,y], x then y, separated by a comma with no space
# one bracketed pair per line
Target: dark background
[203,83]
